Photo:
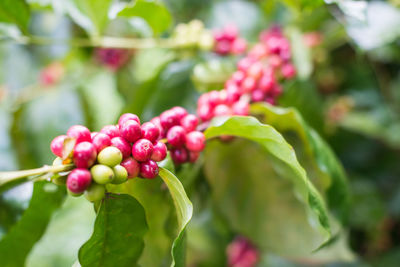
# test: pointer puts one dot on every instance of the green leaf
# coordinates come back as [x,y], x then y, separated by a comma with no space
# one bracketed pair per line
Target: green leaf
[91,15]
[18,242]
[284,159]
[117,238]
[301,54]
[184,211]
[290,120]
[15,12]
[153,12]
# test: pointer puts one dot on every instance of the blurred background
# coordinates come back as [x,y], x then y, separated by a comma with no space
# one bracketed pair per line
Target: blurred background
[347,57]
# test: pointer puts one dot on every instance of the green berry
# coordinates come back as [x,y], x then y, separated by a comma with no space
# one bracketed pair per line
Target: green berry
[110,156]
[57,161]
[102,174]
[59,180]
[121,175]
[74,194]
[95,192]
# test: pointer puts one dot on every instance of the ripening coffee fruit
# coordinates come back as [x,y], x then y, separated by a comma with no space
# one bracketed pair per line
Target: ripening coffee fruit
[120,174]
[110,130]
[130,130]
[142,150]
[80,133]
[95,192]
[149,169]
[101,141]
[102,174]
[131,166]
[84,155]
[179,155]
[159,152]
[150,132]
[57,145]
[189,122]
[126,117]
[78,180]
[176,136]
[110,156]
[195,141]
[122,145]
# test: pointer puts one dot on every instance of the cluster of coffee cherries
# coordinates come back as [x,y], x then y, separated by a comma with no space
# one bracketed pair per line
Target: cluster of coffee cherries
[179,129]
[227,41]
[193,34]
[113,58]
[257,78]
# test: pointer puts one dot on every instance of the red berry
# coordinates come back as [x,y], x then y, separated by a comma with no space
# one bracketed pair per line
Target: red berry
[238,46]
[110,130]
[57,145]
[179,155]
[255,70]
[222,47]
[122,145]
[266,83]
[78,180]
[84,155]
[288,71]
[213,98]
[176,136]
[205,112]
[149,169]
[150,132]
[230,32]
[126,117]
[257,95]
[180,112]
[193,156]
[195,141]
[168,119]
[248,84]
[241,108]
[101,141]
[232,94]
[93,134]
[80,133]
[245,63]
[130,130]
[189,122]
[222,110]
[131,166]
[159,152]
[142,150]
[238,76]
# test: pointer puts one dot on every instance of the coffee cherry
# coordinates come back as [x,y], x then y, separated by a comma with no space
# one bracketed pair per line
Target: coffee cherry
[157,122]
[241,108]
[110,130]
[126,117]
[110,156]
[101,141]
[176,136]
[84,155]
[238,46]
[195,141]
[122,145]
[95,192]
[168,119]
[130,131]
[102,174]
[180,112]
[93,134]
[131,166]
[148,169]
[159,152]
[257,95]
[189,122]
[213,98]
[150,132]
[248,84]
[74,194]
[142,150]
[121,174]
[205,112]
[179,155]
[57,145]
[288,71]
[267,82]
[78,180]
[193,156]
[222,110]
[80,133]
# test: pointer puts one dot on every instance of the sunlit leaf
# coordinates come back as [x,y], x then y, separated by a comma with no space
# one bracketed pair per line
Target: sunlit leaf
[15,12]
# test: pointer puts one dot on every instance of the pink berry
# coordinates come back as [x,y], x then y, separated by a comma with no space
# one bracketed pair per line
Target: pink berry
[195,141]
[241,108]
[180,112]
[122,145]
[255,70]
[101,141]
[213,98]
[232,94]
[189,122]
[222,47]
[257,95]
[230,32]
[238,76]
[142,150]
[131,166]
[222,110]
[245,63]
[57,145]
[78,180]
[288,71]
[84,155]
[205,112]
[150,131]
[80,133]
[238,46]
[168,119]
[176,136]
[126,117]
[193,156]
[266,82]
[93,134]
[179,155]
[159,152]
[130,130]
[149,169]
[248,84]
[110,130]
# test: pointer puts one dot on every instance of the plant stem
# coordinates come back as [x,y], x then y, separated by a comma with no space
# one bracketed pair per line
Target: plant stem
[106,41]
[6,177]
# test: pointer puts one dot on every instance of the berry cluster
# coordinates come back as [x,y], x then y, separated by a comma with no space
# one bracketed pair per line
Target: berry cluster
[113,58]
[255,80]
[179,128]
[193,34]
[226,41]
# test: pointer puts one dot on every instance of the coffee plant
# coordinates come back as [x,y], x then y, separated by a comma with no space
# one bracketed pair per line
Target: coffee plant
[199,133]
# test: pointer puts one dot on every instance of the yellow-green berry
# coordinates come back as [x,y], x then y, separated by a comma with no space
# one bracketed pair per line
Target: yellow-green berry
[121,175]
[95,192]
[102,174]
[110,156]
